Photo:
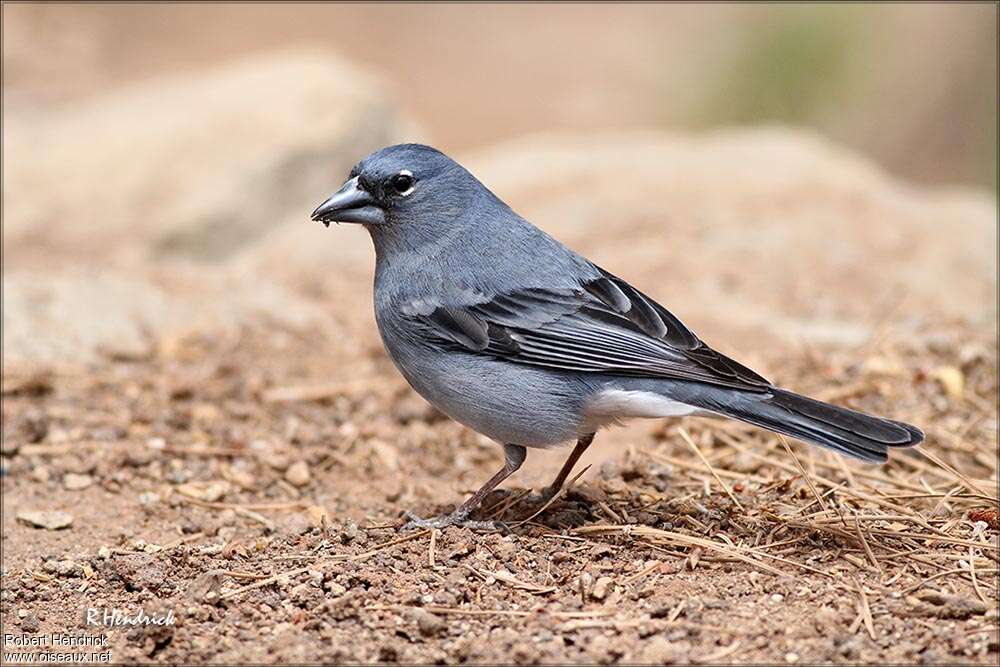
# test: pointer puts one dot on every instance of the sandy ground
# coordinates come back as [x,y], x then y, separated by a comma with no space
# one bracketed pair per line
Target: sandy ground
[199,421]
[227,479]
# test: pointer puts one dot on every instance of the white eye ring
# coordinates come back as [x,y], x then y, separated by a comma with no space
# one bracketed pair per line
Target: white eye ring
[409,174]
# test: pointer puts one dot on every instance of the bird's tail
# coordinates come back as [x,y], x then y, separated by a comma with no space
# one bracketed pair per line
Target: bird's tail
[845,431]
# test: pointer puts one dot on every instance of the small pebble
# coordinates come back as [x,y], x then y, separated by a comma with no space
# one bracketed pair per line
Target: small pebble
[54,520]
[148,498]
[242,478]
[211,492]
[299,592]
[297,524]
[215,491]
[661,651]
[76,482]
[30,623]
[602,587]
[349,533]
[205,413]
[318,516]
[67,568]
[298,474]
[952,381]
[429,624]
[270,455]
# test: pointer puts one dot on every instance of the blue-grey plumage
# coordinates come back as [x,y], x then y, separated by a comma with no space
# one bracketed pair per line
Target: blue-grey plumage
[507,331]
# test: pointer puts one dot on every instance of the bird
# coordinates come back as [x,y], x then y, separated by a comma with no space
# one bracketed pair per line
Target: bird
[506,330]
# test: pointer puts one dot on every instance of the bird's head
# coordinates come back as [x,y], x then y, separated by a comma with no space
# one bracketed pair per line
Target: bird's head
[398,185]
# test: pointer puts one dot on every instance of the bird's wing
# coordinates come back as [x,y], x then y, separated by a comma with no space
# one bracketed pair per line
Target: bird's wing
[604,325]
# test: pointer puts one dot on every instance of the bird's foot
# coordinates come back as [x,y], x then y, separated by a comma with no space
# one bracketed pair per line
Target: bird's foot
[456,518]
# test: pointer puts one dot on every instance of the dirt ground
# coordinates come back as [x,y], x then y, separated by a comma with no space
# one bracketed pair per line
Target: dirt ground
[200,423]
[224,477]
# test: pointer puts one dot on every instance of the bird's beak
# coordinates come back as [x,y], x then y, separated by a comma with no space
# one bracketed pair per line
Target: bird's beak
[350,204]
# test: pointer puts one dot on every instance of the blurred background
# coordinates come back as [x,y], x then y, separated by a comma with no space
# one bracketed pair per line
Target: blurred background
[175,144]
[912,86]
[811,188]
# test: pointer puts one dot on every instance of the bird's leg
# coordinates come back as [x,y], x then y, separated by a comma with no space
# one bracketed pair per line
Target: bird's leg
[514,456]
[581,447]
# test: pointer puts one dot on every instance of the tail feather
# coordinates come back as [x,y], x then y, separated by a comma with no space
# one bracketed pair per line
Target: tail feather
[846,431]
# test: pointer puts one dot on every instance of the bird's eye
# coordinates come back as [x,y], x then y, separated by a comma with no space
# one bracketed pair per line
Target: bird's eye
[402,183]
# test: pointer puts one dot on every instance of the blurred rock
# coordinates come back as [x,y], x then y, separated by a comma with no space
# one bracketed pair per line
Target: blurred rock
[205,587]
[428,624]
[192,165]
[205,491]
[31,427]
[601,588]
[952,381]
[41,474]
[63,316]
[156,183]
[658,650]
[298,474]
[296,524]
[76,482]
[50,520]
[136,571]
[78,315]
[30,622]
[319,517]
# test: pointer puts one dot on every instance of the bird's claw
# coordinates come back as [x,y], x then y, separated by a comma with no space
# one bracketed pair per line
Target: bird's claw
[453,519]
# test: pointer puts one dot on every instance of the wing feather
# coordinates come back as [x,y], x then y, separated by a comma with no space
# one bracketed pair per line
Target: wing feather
[604,326]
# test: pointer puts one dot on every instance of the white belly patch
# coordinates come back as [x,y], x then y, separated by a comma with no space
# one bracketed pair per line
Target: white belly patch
[613,404]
